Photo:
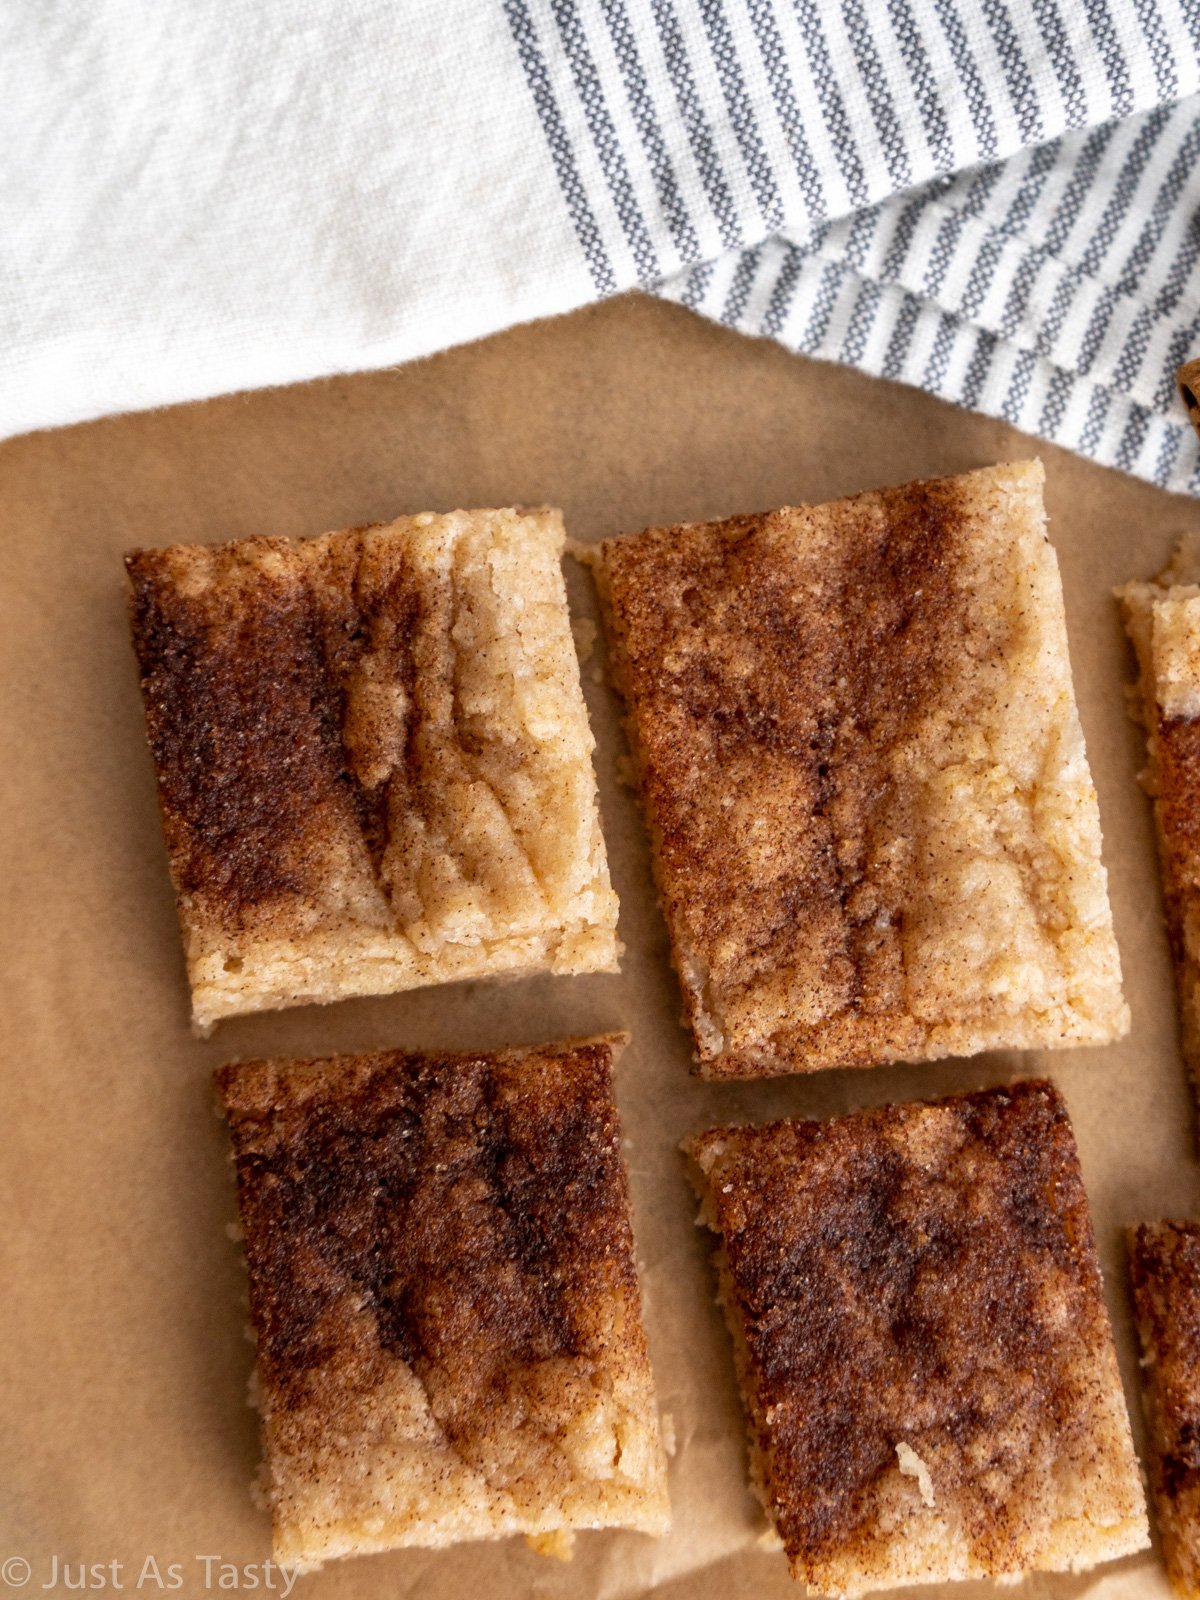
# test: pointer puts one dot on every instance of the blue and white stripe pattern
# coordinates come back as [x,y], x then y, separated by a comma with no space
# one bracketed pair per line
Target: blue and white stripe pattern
[995,200]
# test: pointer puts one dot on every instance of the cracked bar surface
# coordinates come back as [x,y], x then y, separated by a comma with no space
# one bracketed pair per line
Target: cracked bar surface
[444,1294]
[1164,1274]
[373,759]
[1162,618]
[874,829]
[922,1341]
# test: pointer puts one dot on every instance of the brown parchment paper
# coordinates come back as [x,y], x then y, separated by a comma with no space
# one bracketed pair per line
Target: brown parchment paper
[125,1437]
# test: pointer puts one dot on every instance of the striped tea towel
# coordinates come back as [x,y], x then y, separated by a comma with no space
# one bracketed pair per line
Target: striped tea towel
[996,200]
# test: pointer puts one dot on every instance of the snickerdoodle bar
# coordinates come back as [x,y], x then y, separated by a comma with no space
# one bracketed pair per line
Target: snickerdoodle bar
[373,758]
[855,737]
[923,1347]
[445,1299]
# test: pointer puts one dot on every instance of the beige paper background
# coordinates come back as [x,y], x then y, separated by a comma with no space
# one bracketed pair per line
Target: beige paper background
[123,1426]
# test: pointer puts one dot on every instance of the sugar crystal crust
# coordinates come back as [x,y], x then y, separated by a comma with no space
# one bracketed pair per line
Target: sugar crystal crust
[373,759]
[444,1294]
[922,1341]
[874,829]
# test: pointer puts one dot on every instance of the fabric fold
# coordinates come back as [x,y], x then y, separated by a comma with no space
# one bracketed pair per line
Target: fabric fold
[995,201]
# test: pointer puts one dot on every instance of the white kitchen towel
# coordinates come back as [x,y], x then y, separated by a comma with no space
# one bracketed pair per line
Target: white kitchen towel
[994,199]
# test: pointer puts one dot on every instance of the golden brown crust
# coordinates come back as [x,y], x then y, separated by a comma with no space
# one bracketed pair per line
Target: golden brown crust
[1164,1273]
[373,759]
[874,829]
[917,1291]
[447,1237]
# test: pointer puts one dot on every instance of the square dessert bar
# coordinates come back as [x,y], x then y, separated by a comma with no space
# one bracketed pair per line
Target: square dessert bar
[922,1342]
[874,829]
[445,1299]
[373,758]
[1163,621]
[1164,1271]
